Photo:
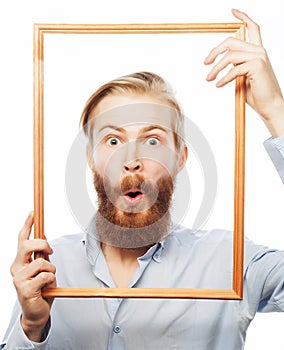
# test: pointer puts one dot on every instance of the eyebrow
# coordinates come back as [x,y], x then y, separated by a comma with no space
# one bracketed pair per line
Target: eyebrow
[152,127]
[113,127]
[142,131]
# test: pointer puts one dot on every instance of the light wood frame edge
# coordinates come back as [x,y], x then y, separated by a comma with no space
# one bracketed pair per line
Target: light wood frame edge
[239,175]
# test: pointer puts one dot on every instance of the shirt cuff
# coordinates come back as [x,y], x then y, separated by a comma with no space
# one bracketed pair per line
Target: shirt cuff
[275,149]
[18,340]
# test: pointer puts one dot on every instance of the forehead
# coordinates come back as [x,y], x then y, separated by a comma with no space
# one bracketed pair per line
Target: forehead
[123,111]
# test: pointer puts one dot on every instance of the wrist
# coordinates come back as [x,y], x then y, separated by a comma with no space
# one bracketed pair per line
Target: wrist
[275,126]
[275,120]
[33,331]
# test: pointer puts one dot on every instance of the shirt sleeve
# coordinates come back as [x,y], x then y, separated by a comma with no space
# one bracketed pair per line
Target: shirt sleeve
[17,339]
[275,149]
[264,281]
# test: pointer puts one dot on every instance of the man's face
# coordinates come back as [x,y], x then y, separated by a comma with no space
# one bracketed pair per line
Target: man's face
[134,160]
[134,135]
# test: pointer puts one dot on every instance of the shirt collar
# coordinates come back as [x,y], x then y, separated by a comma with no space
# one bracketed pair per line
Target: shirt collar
[93,247]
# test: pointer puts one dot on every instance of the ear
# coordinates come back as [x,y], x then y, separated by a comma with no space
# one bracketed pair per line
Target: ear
[183,158]
[90,159]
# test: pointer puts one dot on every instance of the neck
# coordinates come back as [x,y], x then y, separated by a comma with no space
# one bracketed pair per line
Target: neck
[122,263]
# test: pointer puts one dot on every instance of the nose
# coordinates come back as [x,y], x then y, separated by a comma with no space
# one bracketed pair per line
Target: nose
[134,166]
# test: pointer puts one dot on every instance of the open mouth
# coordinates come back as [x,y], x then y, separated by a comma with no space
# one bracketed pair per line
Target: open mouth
[133,196]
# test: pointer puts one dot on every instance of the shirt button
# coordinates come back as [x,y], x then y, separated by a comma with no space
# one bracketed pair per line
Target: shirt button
[116,329]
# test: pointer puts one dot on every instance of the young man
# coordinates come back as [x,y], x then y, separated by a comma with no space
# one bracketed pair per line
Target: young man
[134,127]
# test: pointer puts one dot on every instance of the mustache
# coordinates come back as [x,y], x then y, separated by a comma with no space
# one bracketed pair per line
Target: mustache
[130,182]
[134,182]
[156,192]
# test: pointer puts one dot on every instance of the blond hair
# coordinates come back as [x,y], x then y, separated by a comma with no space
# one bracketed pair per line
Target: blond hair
[140,83]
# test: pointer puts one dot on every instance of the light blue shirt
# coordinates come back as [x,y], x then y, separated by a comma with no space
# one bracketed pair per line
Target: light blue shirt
[183,260]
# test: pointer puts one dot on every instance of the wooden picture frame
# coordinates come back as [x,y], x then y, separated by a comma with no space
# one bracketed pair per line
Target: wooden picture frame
[237,29]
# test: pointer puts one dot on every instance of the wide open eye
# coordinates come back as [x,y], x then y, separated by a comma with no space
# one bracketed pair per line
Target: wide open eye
[153,141]
[113,141]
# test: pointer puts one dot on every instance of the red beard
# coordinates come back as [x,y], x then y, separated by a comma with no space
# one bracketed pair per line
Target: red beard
[133,226]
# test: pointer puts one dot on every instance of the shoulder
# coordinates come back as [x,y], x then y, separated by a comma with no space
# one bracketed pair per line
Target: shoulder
[68,239]
[188,237]
[214,240]
[68,246]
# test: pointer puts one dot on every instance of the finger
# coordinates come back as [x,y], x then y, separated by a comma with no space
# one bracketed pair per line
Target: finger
[43,279]
[35,245]
[233,73]
[33,269]
[25,232]
[235,58]
[25,251]
[32,288]
[230,44]
[253,28]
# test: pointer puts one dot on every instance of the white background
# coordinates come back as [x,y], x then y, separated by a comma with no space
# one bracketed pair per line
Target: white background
[264,190]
